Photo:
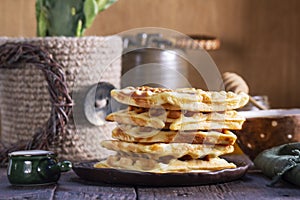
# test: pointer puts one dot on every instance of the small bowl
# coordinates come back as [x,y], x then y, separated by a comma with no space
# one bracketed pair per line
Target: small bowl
[265,129]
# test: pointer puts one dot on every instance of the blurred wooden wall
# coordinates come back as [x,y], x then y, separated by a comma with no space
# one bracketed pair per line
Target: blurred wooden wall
[260,38]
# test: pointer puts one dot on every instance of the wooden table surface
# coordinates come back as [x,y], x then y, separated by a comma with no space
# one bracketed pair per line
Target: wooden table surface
[70,186]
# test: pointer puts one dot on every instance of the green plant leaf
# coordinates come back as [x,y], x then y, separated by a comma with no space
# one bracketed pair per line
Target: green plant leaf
[80,29]
[41,16]
[90,10]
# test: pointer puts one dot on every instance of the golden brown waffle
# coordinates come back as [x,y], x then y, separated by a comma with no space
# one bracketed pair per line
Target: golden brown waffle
[146,132]
[160,118]
[176,150]
[173,165]
[192,137]
[180,99]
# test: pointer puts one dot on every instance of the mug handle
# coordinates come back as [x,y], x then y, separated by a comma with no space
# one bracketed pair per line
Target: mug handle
[65,166]
[52,167]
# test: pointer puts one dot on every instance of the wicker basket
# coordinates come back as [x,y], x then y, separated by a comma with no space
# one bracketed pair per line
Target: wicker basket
[25,100]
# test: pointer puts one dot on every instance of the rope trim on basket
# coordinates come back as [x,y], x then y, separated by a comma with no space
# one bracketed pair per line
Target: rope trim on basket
[18,55]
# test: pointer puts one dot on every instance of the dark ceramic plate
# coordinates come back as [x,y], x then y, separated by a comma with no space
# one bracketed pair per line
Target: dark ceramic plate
[86,171]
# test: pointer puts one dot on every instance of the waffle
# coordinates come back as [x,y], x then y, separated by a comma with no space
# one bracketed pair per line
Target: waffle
[192,137]
[173,165]
[176,150]
[160,118]
[180,99]
[146,132]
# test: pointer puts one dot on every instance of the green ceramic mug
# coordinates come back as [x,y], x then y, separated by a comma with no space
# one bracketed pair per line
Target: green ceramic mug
[35,167]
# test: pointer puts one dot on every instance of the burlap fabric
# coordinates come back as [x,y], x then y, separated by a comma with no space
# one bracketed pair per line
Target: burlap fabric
[24,100]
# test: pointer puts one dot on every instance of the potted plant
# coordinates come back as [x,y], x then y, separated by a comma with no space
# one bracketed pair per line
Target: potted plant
[25,100]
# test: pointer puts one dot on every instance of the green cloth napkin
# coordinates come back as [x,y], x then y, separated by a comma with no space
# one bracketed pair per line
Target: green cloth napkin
[281,162]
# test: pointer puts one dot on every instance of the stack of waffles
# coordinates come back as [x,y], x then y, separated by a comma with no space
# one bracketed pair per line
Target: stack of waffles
[181,130]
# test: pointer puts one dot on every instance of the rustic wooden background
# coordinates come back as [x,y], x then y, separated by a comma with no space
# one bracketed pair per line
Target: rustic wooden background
[260,38]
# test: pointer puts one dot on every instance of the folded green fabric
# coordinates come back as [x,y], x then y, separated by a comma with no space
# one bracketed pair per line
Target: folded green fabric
[281,162]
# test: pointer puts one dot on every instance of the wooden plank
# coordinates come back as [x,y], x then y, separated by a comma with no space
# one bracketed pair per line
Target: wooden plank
[7,191]
[252,186]
[17,18]
[68,187]
[38,194]
[72,187]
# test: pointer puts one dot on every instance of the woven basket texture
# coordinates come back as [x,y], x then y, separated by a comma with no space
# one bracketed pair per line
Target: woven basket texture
[25,101]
